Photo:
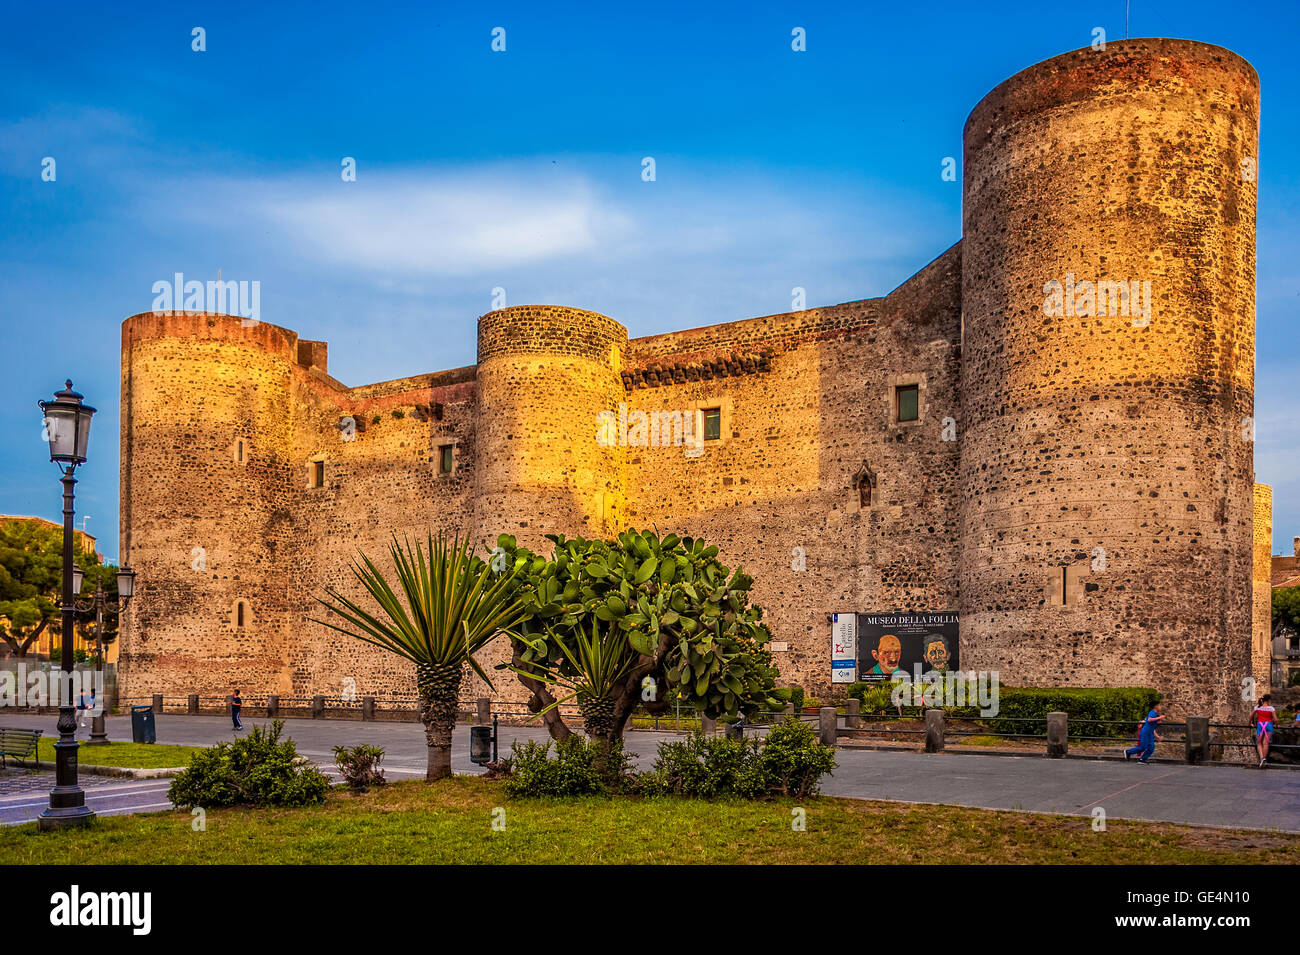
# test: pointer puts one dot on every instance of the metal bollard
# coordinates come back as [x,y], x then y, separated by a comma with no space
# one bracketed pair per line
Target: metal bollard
[367,707]
[1058,735]
[1197,739]
[317,707]
[853,720]
[828,725]
[192,704]
[934,730]
[157,704]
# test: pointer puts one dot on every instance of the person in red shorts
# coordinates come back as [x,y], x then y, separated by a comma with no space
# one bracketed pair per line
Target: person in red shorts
[1264,717]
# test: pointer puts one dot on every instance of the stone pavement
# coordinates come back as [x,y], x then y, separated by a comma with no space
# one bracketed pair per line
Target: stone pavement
[1216,795]
[19,782]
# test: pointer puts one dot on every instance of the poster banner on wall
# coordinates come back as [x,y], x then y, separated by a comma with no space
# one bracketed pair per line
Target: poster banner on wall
[893,642]
[844,647]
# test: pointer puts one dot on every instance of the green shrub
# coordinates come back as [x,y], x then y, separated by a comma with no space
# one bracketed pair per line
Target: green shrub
[875,696]
[572,771]
[1294,678]
[708,767]
[789,762]
[794,760]
[360,767]
[796,697]
[259,769]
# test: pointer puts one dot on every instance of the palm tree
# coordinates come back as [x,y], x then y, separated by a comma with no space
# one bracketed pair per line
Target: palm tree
[598,667]
[452,606]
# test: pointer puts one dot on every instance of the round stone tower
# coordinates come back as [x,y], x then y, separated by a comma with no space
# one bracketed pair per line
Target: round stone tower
[545,375]
[1108,276]
[206,412]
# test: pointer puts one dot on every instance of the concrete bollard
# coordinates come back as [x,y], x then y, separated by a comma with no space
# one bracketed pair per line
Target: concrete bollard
[157,704]
[317,707]
[1197,739]
[1058,735]
[484,711]
[273,706]
[789,709]
[192,704]
[367,707]
[828,725]
[934,730]
[854,719]
[708,725]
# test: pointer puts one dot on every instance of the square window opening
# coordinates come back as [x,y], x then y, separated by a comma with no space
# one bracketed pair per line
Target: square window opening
[907,399]
[712,424]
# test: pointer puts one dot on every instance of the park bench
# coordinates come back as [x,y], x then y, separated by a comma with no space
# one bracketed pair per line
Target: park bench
[20,744]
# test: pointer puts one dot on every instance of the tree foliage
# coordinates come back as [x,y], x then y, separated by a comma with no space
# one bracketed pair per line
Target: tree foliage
[640,607]
[31,578]
[1286,611]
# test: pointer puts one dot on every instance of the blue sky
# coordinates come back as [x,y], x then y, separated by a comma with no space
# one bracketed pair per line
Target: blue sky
[522,170]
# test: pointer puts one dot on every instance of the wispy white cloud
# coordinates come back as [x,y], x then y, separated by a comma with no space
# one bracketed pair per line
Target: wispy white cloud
[442,225]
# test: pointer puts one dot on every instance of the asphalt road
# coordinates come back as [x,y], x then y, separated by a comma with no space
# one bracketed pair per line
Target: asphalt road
[1228,796]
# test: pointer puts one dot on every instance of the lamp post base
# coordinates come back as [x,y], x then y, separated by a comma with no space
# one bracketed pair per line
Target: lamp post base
[67,800]
[69,818]
[98,735]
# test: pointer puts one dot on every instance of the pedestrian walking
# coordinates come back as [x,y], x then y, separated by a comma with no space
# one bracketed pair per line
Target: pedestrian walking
[235,704]
[81,706]
[1147,735]
[1264,717]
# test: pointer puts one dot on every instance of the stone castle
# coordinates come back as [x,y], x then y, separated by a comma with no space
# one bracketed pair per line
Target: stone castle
[1005,435]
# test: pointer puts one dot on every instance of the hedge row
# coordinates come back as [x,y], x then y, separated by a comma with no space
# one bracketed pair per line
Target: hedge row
[1119,709]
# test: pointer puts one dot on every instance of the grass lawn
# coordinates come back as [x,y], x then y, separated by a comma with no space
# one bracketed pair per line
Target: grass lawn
[124,755]
[451,821]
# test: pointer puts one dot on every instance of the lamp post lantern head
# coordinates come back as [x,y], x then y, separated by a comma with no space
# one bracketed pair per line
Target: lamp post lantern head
[67,426]
[125,583]
[78,575]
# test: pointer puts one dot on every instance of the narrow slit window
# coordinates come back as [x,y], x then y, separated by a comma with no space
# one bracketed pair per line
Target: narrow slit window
[239,614]
[908,400]
[318,474]
[712,424]
[445,458]
[239,455]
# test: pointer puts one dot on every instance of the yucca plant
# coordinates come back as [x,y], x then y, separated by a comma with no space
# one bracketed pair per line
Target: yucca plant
[451,606]
[600,665]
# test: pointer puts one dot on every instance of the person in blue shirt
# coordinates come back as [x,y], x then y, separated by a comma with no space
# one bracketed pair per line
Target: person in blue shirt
[1147,737]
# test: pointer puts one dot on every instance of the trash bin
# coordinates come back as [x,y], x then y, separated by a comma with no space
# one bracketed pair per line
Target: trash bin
[142,729]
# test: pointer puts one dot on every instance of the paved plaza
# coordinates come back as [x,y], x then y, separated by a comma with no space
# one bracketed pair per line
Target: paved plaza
[1215,795]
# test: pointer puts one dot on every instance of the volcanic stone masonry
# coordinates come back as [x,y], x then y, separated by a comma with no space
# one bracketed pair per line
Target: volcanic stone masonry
[1077,484]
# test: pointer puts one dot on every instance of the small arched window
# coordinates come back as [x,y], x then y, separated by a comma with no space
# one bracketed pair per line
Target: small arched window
[865,482]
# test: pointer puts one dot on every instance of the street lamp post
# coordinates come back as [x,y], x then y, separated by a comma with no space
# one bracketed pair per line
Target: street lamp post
[67,428]
[125,588]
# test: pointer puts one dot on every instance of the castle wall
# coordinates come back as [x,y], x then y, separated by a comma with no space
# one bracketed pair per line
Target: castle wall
[380,445]
[776,493]
[202,528]
[1261,588]
[1096,432]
